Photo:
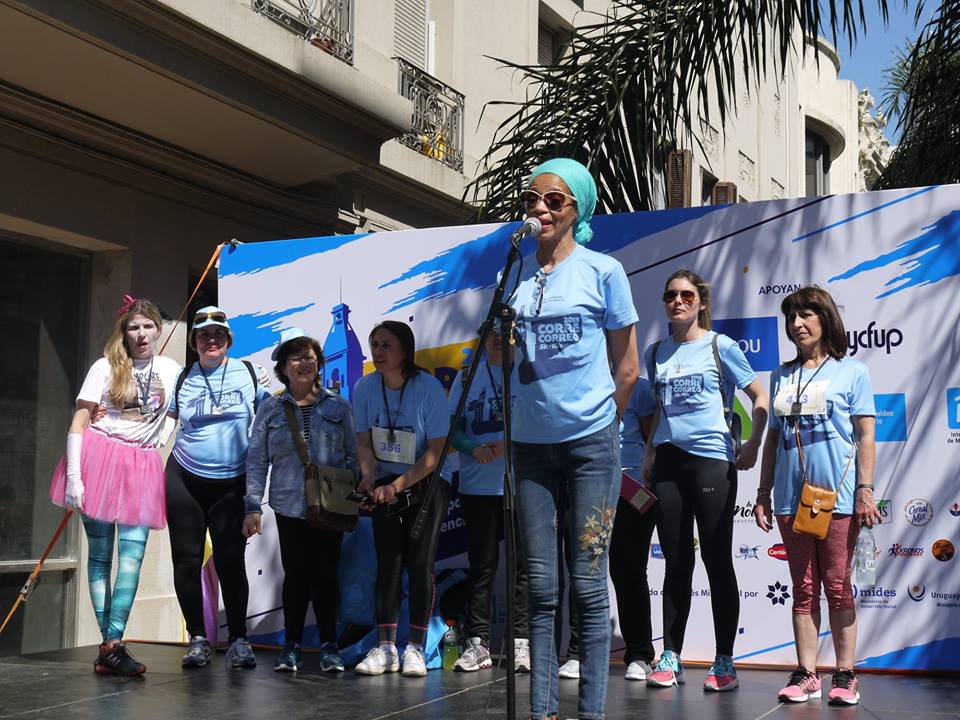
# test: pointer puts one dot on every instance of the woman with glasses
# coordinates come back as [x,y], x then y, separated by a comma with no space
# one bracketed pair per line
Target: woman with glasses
[215,400]
[577,365]
[402,421]
[309,555]
[823,401]
[692,465]
[112,472]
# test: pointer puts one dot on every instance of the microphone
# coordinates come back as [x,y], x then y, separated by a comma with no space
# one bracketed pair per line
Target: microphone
[531,226]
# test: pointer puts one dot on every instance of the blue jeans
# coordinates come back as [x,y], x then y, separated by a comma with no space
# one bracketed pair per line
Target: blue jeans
[587,472]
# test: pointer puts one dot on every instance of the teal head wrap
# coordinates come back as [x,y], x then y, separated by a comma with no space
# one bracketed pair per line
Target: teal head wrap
[582,187]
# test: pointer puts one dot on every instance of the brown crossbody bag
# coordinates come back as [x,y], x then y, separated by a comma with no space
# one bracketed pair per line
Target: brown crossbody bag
[815,509]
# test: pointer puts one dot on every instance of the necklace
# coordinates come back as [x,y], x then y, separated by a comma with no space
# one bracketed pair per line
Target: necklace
[217,408]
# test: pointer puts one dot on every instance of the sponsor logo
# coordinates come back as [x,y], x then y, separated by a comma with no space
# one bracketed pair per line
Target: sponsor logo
[943,550]
[953,408]
[747,552]
[946,599]
[876,597]
[898,550]
[918,512]
[884,507]
[891,420]
[779,289]
[743,513]
[955,509]
[873,337]
[758,337]
[778,551]
[656,552]
[777,593]
[917,592]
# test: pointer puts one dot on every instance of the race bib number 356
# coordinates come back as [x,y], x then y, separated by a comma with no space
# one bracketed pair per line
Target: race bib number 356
[399,446]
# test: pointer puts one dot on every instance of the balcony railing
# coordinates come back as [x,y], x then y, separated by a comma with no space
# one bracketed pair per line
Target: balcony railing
[328,24]
[436,129]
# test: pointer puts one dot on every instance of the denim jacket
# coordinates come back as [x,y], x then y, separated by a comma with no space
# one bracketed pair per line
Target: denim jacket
[333,442]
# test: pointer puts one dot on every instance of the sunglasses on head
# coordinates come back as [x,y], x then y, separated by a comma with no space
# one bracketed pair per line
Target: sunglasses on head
[203,317]
[687,296]
[553,199]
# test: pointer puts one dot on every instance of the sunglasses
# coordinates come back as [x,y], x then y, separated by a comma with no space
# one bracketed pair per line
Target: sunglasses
[554,199]
[687,296]
[203,317]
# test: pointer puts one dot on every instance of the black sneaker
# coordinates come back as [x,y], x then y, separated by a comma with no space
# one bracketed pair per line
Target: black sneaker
[117,660]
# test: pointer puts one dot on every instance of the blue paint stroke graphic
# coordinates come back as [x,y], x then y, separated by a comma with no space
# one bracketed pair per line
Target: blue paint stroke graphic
[872,210]
[254,332]
[468,265]
[941,654]
[252,258]
[929,258]
[775,647]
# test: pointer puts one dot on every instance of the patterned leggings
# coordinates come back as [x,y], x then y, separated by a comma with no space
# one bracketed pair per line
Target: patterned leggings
[113,609]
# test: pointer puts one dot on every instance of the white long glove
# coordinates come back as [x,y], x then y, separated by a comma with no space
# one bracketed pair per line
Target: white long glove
[73,497]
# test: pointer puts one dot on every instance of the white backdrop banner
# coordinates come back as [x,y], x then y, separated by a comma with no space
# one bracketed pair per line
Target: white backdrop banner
[892,261]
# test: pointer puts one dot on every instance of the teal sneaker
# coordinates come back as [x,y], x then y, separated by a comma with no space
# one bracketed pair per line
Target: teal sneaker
[289,659]
[330,660]
[722,676]
[668,672]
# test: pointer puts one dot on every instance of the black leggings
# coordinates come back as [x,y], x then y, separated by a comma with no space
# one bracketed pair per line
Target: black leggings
[629,553]
[310,559]
[688,487]
[194,505]
[396,550]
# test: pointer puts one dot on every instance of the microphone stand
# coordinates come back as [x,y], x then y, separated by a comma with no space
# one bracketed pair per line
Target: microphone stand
[498,310]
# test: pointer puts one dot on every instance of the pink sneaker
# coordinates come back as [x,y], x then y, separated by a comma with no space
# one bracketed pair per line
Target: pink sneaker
[803,685]
[722,676]
[667,672]
[845,689]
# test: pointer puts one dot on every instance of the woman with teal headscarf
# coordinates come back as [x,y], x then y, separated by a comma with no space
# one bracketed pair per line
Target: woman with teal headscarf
[575,320]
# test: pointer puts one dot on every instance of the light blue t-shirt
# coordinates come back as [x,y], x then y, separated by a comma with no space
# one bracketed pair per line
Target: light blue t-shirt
[565,388]
[422,411]
[213,444]
[827,438]
[642,404]
[483,413]
[688,385]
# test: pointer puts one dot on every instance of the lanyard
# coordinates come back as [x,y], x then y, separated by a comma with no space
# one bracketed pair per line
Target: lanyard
[216,399]
[392,423]
[797,404]
[144,390]
[497,391]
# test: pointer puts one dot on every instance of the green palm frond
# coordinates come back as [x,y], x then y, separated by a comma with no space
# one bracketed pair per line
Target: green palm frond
[631,81]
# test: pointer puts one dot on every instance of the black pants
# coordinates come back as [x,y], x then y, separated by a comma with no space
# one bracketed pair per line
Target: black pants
[194,505]
[485,523]
[688,487]
[310,559]
[629,553]
[397,551]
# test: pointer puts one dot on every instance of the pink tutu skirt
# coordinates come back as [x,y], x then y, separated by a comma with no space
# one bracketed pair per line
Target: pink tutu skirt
[122,482]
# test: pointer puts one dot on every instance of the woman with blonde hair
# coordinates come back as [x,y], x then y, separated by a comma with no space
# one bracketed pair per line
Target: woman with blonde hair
[112,472]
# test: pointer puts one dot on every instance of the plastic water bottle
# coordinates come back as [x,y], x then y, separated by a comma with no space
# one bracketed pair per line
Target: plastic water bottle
[451,645]
[865,559]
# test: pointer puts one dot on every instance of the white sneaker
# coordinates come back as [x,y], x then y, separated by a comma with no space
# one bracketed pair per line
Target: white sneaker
[475,657]
[570,670]
[521,655]
[414,664]
[638,670]
[383,658]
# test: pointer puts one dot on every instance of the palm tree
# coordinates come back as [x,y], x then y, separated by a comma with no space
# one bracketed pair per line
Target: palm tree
[922,91]
[630,82]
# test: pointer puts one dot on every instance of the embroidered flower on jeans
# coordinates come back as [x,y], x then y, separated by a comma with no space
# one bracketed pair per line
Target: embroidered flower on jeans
[595,537]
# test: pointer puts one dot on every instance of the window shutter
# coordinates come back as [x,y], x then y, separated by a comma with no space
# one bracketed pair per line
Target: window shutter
[724,193]
[679,170]
[546,46]
[410,31]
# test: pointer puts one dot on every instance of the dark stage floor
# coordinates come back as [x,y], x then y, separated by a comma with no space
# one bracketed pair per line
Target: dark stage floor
[62,684]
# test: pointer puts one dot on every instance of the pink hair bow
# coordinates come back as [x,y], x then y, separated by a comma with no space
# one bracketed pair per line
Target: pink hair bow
[128,302]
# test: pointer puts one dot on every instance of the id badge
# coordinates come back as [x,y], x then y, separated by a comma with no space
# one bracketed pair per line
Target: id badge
[398,446]
[146,409]
[813,401]
[217,410]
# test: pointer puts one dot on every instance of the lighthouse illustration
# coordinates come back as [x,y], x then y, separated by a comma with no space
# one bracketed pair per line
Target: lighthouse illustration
[342,353]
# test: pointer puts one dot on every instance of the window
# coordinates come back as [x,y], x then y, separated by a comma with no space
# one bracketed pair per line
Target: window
[548,46]
[817,164]
[707,183]
[410,31]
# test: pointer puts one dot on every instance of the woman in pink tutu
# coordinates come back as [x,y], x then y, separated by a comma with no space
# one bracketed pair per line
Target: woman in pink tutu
[112,472]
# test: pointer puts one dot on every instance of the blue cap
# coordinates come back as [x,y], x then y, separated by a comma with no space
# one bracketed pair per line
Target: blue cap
[285,337]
